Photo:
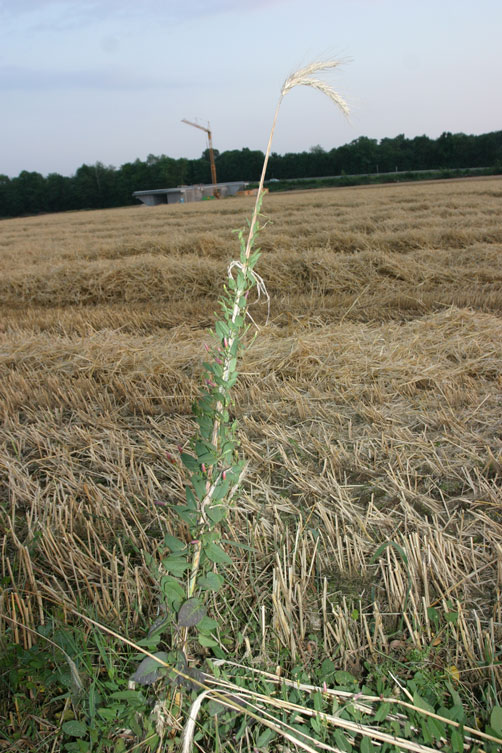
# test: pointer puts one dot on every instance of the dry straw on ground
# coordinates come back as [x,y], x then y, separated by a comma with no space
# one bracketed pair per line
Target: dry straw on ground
[370,411]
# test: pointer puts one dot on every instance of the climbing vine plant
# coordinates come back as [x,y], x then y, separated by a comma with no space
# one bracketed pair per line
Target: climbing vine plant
[189,571]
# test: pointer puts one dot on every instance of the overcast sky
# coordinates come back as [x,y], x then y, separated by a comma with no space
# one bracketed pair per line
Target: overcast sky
[110,80]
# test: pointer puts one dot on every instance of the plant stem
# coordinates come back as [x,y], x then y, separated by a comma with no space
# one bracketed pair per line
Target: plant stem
[239,292]
[239,308]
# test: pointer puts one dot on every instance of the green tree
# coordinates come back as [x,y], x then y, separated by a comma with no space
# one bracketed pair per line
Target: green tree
[59,194]
[10,203]
[31,190]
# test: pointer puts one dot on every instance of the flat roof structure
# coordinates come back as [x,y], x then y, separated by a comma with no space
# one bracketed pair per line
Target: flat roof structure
[185,194]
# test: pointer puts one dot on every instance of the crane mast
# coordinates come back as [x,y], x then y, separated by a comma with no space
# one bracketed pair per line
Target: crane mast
[210,142]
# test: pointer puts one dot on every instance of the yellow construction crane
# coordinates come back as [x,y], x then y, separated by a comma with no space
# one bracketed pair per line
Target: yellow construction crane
[210,142]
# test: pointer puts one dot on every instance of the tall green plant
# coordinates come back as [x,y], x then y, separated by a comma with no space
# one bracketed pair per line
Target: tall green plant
[214,469]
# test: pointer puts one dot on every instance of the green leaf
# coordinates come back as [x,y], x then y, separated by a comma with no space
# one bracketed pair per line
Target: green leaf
[110,714]
[396,728]
[221,489]
[209,367]
[366,745]
[74,728]
[318,701]
[213,708]
[457,701]
[205,404]
[456,713]
[200,486]
[205,640]
[202,447]
[206,453]
[211,582]
[421,703]
[344,678]
[208,459]
[172,590]
[205,425]
[327,669]
[150,670]
[457,741]
[316,725]
[496,719]
[174,544]
[427,735]
[190,498]
[342,742]
[216,513]
[193,679]
[208,536]
[436,728]
[382,712]
[227,451]
[302,732]
[384,546]
[264,738]
[433,615]
[189,462]
[191,613]
[175,565]
[207,625]
[221,329]
[187,515]
[216,554]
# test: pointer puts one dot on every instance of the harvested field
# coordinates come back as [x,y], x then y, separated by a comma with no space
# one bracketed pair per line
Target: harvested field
[370,408]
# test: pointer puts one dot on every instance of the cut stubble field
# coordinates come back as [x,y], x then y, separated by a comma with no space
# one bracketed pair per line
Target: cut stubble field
[370,410]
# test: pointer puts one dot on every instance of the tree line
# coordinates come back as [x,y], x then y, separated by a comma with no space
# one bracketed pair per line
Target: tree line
[102,186]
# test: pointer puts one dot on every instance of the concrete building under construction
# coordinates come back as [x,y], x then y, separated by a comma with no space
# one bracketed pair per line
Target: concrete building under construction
[186,194]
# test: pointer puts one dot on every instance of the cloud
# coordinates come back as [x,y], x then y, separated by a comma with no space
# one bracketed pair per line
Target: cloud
[61,15]
[14,78]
